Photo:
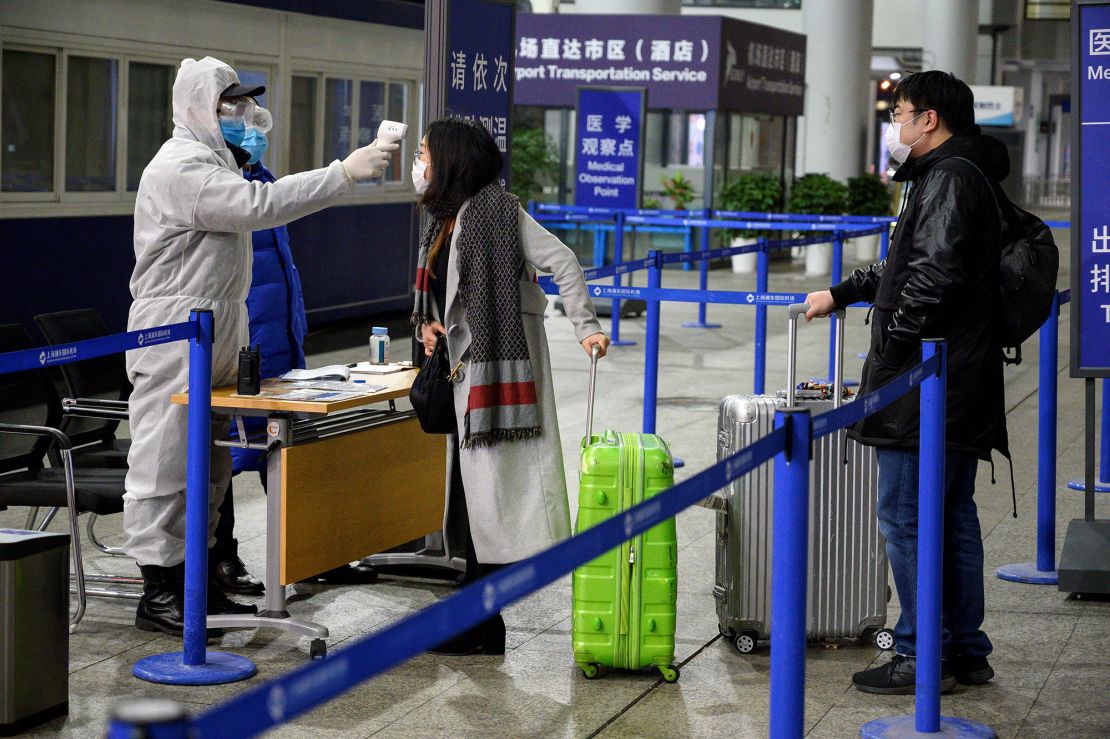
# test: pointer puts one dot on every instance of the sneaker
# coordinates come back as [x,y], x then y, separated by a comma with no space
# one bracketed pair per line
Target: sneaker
[898,677]
[969,670]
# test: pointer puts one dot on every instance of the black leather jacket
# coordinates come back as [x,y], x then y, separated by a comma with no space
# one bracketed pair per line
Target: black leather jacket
[939,280]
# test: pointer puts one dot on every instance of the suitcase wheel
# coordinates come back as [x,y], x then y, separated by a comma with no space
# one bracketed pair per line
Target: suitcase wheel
[670,674]
[745,642]
[884,639]
[318,649]
[590,670]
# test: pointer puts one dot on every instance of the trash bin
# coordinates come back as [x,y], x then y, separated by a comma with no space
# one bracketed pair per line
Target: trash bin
[34,628]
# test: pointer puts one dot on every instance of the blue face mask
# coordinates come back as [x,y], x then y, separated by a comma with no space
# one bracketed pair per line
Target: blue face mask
[255,144]
[233,132]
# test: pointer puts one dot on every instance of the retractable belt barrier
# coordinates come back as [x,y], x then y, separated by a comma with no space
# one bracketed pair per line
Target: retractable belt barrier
[102,346]
[304,688]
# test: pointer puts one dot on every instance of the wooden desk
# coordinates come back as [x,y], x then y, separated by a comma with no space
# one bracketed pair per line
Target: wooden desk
[350,480]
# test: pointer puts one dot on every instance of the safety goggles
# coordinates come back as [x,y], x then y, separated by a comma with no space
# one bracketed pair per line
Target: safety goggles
[246,111]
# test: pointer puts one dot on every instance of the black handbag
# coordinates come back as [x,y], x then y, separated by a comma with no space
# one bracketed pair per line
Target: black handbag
[432,395]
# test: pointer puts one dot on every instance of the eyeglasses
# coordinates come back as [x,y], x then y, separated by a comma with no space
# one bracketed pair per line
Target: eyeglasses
[894,115]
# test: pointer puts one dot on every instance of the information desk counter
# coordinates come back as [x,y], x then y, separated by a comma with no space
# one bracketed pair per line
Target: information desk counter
[345,479]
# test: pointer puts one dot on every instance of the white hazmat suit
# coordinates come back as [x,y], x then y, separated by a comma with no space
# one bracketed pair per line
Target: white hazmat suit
[194,213]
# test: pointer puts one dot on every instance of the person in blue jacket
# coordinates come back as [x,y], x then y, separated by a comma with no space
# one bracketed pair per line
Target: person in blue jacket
[275,307]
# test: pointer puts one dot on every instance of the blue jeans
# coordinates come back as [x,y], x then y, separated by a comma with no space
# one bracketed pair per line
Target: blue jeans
[962,610]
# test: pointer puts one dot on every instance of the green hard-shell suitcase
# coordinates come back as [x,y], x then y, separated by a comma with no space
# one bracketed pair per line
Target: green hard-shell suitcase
[625,600]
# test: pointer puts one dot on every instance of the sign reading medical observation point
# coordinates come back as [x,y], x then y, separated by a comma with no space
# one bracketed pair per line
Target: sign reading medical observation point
[479,68]
[1090,274]
[609,146]
[684,62]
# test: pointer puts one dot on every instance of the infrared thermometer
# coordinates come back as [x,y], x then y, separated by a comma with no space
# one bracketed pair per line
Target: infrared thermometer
[390,132]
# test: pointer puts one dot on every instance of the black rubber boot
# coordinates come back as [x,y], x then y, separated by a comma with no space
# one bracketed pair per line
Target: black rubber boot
[161,607]
[231,576]
[487,637]
[218,603]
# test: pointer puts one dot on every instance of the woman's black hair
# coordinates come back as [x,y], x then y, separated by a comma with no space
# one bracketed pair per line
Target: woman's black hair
[465,159]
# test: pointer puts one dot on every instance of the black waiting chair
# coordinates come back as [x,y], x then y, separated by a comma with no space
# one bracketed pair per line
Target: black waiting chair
[30,428]
[94,400]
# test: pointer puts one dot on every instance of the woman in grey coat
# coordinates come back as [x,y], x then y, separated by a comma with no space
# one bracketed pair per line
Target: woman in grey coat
[476,285]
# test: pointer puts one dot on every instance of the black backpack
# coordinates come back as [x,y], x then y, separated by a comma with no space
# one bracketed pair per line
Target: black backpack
[1029,268]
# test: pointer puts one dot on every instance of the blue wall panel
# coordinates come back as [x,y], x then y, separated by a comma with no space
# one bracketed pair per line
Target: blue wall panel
[354,261]
[353,254]
[52,264]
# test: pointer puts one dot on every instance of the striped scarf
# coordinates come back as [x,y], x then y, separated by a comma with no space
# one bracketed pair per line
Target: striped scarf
[502,401]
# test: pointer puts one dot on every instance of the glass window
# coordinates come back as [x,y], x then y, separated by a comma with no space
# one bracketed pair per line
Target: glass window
[371,112]
[337,119]
[302,125]
[149,115]
[395,111]
[92,93]
[27,131]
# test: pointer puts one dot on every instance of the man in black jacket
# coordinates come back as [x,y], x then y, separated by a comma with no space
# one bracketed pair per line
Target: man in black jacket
[939,280]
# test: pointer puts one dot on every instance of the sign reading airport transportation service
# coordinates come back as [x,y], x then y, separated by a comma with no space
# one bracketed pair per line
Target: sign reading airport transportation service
[684,62]
[609,147]
[1090,240]
[480,67]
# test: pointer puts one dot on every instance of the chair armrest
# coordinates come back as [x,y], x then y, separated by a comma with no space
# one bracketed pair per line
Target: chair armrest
[111,410]
[17,428]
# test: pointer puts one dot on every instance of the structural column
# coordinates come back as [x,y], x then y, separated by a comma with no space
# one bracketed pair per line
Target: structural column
[838,99]
[952,37]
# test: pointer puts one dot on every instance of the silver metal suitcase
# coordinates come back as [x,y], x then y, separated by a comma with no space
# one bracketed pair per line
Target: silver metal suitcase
[847,583]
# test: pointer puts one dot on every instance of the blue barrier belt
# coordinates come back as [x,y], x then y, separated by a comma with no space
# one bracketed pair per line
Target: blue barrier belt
[695,296]
[306,687]
[50,356]
[832,421]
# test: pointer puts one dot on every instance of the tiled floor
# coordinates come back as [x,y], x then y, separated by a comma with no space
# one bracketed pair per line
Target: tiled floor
[1052,653]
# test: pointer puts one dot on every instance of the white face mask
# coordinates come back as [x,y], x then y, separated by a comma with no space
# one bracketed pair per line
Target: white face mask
[418,180]
[900,152]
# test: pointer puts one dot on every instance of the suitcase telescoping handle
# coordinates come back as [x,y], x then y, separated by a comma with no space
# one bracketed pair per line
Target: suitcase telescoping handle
[796,311]
[594,349]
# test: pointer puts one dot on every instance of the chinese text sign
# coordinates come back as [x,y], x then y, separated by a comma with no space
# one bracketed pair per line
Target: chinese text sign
[609,140]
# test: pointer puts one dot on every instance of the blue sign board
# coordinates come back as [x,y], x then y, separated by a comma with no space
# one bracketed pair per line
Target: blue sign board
[479,75]
[685,62]
[1090,241]
[609,147]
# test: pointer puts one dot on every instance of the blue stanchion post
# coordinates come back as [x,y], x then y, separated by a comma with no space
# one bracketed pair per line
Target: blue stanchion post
[651,344]
[762,275]
[930,543]
[1102,484]
[618,258]
[193,665]
[1043,571]
[930,570]
[884,242]
[153,718]
[703,276]
[789,555]
[687,246]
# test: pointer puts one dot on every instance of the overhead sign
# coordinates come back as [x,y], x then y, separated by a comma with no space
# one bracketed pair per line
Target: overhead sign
[1090,237]
[609,149]
[479,76]
[685,62]
[997,105]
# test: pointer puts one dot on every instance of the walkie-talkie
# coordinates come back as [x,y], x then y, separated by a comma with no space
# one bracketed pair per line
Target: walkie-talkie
[249,380]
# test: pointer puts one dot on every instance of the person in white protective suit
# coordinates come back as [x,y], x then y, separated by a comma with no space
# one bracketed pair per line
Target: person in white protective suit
[194,214]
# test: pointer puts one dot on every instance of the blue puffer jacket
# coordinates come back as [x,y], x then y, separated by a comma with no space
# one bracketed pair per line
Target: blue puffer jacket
[275,305]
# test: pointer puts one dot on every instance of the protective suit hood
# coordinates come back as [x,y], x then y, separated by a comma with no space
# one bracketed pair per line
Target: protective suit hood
[196,91]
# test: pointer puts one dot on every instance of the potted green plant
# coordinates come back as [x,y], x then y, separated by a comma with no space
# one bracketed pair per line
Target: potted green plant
[757,193]
[818,194]
[867,196]
[535,163]
[679,189]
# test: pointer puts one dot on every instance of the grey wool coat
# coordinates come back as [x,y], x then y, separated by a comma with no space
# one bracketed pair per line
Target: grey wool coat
[516,491]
